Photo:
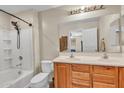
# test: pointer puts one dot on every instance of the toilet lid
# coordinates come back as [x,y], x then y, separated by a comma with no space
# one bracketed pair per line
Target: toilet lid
[38,78]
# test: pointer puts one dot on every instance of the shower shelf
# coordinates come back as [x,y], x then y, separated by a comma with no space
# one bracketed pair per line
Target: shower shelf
[7,49]
[8,58]
[6,40]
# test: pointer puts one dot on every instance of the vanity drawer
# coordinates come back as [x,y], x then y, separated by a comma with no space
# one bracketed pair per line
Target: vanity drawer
[79,86]
[103,85]
[80,68]
[104,79]
[105,70]
[81,83]
[80,75]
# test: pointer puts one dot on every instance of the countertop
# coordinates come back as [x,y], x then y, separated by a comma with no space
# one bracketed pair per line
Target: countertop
[111,61]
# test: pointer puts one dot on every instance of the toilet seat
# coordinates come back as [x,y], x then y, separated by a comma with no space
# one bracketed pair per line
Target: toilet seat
[38,78]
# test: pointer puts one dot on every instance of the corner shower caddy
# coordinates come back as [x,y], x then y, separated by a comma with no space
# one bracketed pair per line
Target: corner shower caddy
[7,47]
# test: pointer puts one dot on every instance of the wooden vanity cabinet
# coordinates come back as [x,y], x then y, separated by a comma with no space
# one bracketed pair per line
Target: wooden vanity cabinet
[80,76]
[62,75]
[105,77]
[72,76]
[121,77]
[88,76]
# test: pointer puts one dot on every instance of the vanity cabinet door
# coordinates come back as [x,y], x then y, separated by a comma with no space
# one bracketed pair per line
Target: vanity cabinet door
[105,77]
[81,77]
[121,77]
[62,75]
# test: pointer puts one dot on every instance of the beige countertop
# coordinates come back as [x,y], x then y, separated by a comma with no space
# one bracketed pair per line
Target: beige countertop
[91,60]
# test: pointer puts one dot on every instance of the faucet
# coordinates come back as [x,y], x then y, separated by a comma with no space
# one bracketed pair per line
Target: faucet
[71,53]
[103,49]
[105,56]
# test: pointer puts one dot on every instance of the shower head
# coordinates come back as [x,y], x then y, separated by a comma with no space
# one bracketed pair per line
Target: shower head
[14,23]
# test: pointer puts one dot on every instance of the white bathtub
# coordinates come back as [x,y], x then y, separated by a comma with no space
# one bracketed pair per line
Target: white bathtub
[10,78]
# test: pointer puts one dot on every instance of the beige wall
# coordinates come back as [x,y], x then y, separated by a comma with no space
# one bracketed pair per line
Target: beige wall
[4,20]
[109,9]
[26,15]
[49,21]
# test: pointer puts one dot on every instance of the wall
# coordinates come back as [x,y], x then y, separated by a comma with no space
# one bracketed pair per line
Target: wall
[49,21]
[109,9]
[4,34]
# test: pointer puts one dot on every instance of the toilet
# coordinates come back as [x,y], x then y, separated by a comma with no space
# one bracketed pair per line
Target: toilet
[42,79]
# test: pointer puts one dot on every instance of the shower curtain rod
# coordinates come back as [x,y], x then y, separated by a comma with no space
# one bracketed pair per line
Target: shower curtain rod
[16,17]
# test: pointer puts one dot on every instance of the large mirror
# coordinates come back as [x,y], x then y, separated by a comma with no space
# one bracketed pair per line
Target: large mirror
[80,40]
[82,36]
[88,34]
[122,33]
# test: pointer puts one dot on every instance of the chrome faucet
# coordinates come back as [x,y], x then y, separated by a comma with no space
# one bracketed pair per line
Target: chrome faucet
[105,56]
[71,55]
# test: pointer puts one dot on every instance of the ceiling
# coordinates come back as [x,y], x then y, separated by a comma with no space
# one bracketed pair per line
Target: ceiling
[19,8]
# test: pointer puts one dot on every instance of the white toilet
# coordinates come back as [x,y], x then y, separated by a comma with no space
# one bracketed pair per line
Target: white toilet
[42,79]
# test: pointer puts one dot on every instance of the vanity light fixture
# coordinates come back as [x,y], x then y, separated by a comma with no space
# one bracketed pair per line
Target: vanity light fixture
[84,9]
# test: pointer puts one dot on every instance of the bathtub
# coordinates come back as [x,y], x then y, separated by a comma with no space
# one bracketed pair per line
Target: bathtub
[15,78]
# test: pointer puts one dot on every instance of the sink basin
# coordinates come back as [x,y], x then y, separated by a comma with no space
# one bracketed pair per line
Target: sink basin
[75,59]
[108,60]
[69,59]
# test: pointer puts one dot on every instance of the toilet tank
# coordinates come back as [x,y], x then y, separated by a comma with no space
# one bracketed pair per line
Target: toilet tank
[46,66]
